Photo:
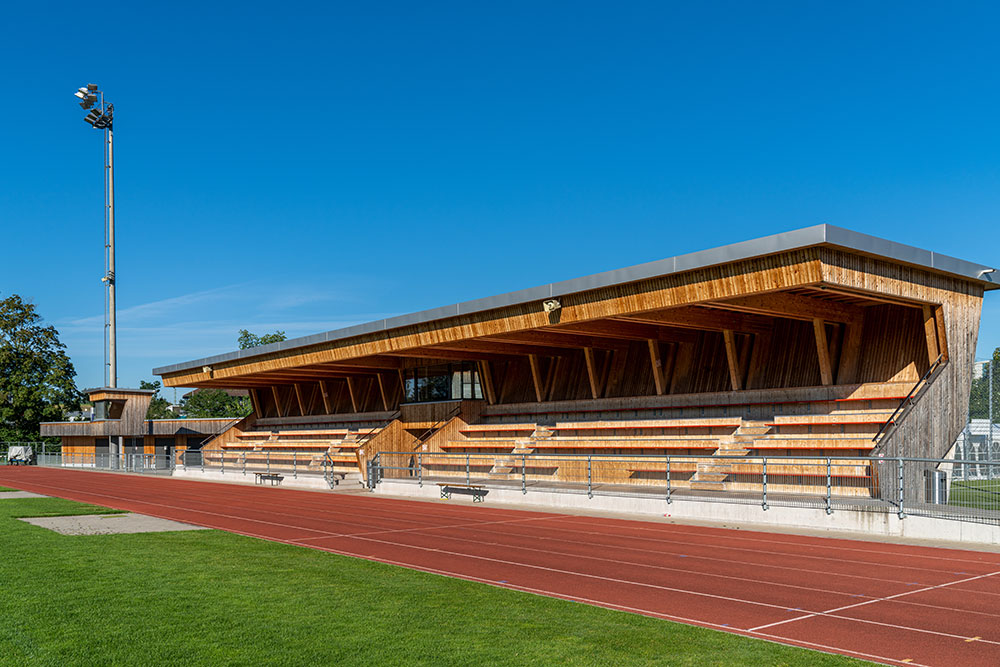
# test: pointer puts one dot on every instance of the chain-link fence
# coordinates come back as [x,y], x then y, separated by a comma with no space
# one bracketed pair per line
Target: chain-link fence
[980,440]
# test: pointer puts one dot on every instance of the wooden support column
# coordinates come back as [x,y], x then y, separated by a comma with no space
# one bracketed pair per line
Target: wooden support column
[930,333]
[298,399]
[592,373]
[326,397]
[657,362]
[536,377]
[850,354]
[277,401]
[729,337]
[823,351]
[288,403]
[761,347]
[255,402]
[350,390]
[486,379]
[381,391]
[682,368]
[942,336]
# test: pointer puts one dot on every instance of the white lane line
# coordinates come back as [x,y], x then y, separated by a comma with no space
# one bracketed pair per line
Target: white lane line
[831,612]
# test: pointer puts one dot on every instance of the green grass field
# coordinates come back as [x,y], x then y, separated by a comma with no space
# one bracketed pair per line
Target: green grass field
[4,488]
[210,597]
[981,494]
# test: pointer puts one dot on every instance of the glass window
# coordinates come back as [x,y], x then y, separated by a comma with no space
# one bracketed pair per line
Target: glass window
[441,383]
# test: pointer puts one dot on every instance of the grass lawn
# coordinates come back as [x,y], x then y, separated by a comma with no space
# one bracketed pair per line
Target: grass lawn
[209,597]
[4,488]
[980,493]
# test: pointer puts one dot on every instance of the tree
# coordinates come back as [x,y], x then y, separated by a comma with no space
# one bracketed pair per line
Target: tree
[207,403]
[979,397]
[248,340]
[159,407]
[36,375]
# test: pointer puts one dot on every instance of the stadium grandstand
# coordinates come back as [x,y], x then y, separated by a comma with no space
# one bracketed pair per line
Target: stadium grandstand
[816,342]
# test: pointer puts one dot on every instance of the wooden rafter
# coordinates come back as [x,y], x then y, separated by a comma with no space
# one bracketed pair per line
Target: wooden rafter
[277,400]
[629,331]
[942,335]
[792,306]
[486,379]
[592,372]
[705,319]
[255,402]
[850,355]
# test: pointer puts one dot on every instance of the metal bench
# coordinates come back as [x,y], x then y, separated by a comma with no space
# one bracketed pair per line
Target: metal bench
[478,491]
[261,477]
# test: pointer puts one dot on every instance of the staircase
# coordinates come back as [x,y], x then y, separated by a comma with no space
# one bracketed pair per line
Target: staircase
[506,465]
[711,475]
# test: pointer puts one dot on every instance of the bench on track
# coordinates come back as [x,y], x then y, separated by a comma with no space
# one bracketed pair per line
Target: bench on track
[478,490]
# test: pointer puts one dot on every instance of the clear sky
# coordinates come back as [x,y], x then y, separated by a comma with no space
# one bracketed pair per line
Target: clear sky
[306,166]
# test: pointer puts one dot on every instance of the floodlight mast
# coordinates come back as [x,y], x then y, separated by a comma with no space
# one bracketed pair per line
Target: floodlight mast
[101,118]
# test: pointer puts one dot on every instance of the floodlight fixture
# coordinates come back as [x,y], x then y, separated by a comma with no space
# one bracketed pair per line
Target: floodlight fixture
[82,93]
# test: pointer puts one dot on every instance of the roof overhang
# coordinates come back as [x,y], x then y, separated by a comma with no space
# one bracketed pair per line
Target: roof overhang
[808,237]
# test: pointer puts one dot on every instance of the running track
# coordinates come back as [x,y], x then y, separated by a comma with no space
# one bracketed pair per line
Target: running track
[896,604]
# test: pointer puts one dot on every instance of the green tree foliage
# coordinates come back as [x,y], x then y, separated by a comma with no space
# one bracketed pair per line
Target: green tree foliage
[36,375]
[215,403]
[979,398]
[159,407]
[248,340]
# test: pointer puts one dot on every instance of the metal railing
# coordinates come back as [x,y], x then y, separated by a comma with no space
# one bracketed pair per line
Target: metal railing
[141,463]
[902,486]
[903,409]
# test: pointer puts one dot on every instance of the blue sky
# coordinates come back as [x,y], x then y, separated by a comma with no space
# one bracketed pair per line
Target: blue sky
[306,166]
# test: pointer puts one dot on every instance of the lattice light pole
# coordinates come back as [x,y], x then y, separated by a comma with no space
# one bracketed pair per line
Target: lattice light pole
[100,118]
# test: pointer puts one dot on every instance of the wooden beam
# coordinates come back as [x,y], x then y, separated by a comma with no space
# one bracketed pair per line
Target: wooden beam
[255,402]
[746,346]
[681,377]
[381,391]
[326,397]
[298,399]
[942,335]
[556,338]
[288,403]
[761,347]
[930,333]
[486,379]
[554,366]
[536,377]
[850,355]
[657,362]
[823,351]
[629,331]
[729,337]
[793,306]
[706,319]
[618,363]
[277,400]
[669,364]
[595,383]
[350,391]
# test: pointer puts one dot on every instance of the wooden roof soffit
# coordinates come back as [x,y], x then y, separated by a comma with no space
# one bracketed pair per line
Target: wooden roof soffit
[792,306]
[706,319]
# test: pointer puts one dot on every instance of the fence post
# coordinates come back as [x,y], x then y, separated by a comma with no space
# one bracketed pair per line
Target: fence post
[829,486]
[524,486]
[420,469]
[268,457]
[590,485]
[902,512]
[244,455]
[670,491]
[764,486]
[222,461]
[468,477]
[295,468]
[201,453]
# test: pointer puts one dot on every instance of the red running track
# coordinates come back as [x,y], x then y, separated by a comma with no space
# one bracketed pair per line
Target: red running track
[891,603]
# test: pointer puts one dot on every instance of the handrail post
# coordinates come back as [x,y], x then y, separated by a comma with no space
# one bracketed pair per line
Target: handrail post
[902,512]
[524,485]
[764,486]
[202,453]
[244,464]
[590,484]
[222,461]
[420,469]
[268,458]
[468,476]
[829,486]
[670,491]
[295,468]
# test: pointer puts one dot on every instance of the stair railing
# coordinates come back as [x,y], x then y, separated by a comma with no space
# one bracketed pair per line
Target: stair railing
[437,426]
[904,407]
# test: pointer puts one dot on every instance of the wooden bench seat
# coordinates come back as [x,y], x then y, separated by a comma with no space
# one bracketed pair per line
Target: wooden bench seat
[778,442]
[596,443]
[332,433]
[481,428]
[636,424]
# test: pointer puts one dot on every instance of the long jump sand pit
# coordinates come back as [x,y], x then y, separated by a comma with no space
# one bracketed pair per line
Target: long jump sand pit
[109,524]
